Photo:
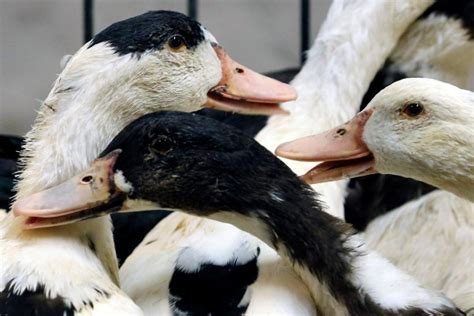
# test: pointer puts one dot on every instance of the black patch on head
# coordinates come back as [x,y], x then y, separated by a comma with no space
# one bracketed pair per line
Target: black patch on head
[213,290]
[457,9]
[32,303]
[149,31]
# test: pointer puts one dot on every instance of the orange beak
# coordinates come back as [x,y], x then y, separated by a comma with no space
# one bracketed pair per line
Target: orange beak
[342,150]
[245,91]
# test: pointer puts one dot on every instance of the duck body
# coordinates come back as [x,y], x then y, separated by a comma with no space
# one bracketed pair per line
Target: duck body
[342,276]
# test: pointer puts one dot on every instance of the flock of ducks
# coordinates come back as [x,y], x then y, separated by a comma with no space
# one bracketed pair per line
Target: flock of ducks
[116,133]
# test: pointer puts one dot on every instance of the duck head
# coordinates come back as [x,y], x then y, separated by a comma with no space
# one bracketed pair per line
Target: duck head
[164,160]
[157,58]
[415,128]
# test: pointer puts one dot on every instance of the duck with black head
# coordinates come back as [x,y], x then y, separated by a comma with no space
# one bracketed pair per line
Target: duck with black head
[196,165]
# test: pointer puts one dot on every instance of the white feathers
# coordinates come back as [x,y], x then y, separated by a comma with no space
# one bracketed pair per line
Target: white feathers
[122,183]
[432,239]
[387,285]
[229,249]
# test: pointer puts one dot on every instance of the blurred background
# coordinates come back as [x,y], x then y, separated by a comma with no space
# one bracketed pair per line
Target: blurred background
[36,34]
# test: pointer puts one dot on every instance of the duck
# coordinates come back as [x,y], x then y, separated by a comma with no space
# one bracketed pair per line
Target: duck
[193,164]
[328,58]
[151,62]
[417,128]
[439,45]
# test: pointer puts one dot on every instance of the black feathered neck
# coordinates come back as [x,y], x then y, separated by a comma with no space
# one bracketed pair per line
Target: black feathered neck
[194,164]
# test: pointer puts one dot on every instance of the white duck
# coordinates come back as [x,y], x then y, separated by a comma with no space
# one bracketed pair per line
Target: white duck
[200,166]
[417,128]
[156,61]
[335,55]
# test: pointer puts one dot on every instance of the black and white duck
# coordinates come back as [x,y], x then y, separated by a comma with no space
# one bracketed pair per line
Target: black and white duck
[193,164]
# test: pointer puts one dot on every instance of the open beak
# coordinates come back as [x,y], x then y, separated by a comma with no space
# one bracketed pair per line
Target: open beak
[90,194]
[242,90]
[342,150]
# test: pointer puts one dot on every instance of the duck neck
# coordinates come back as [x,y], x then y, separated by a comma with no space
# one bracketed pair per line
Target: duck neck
[342,63]
[341,274]
[80,116]
[352,44]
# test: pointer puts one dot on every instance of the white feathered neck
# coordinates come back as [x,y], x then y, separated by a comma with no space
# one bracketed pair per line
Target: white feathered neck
[352,45]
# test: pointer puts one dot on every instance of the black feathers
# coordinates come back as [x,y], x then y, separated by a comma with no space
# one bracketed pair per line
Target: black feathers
[457,9]
[150,31]
[34,303]
[9,148]
[131,228]
[214,289]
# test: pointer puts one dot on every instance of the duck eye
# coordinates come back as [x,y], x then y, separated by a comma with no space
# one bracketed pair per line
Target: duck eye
[176,42]
[412,109]
[87,179]
[161,145]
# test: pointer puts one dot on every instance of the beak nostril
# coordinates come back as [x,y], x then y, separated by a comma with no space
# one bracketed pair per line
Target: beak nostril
[239,70]
[87,179]
[341,131]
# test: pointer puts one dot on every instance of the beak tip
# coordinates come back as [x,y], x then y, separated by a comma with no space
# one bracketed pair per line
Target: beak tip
[284,150]
[280,151]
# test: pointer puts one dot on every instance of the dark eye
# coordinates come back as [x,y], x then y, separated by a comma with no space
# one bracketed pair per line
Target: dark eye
[413,109]
[176,42]
[87,179]
[161,145]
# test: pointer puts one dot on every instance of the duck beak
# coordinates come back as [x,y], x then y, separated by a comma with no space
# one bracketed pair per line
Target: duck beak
[245,91]
[342,150]
[90,194]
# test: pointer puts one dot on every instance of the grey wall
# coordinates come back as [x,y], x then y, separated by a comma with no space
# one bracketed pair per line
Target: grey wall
[35,34]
